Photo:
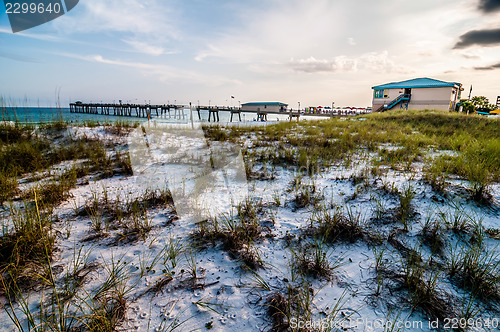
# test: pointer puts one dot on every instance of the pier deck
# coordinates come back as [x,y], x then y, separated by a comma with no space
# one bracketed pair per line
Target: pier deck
[149,110]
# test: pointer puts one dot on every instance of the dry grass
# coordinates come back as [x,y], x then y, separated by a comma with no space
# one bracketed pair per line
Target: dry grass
[27,248]
[335,226]
[130,217]
[237,234]
[471,267]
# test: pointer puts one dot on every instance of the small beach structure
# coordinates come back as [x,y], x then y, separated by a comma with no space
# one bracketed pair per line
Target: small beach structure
[418,93]
[264,107]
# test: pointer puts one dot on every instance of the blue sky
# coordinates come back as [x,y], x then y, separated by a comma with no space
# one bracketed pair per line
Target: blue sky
[314,52]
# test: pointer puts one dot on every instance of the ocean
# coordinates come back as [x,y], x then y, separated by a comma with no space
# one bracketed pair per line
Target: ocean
[39,115]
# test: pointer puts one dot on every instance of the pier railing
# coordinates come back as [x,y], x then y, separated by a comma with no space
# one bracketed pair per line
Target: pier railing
[150,110]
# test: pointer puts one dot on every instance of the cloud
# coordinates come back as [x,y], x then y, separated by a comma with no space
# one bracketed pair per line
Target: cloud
[148,48]
[18,57]
[162,72]
[133,16]
[479,37]
[146,26]
[491,67]
[379,62]
[313,65]
[284,29]
[470,56]
[488,6]
[241,53]
[44,37]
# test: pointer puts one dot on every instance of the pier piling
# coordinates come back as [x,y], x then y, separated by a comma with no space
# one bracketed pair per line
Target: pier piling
[148,110]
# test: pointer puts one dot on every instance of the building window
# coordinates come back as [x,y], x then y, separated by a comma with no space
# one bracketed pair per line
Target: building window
[379,94]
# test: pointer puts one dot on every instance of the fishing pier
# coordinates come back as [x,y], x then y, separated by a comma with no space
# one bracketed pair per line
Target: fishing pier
[177,111]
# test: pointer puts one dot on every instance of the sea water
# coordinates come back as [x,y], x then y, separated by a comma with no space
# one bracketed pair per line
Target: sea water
[37,115]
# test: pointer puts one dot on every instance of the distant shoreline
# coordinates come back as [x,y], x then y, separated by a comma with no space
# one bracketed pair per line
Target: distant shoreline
[40,115]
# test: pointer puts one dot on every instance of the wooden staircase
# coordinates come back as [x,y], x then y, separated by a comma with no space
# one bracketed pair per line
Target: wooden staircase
[399,99]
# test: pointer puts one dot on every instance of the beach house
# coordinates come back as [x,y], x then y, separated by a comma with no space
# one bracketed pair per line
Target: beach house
[264,107]
[418,93]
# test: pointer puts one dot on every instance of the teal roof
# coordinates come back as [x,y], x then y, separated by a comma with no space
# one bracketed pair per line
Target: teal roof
[265,104]
[417,83]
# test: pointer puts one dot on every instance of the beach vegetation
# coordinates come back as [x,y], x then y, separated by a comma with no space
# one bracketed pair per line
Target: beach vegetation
[27,247]
[237,234]
[476,270]
[315,259]
[336,226]
[409,194]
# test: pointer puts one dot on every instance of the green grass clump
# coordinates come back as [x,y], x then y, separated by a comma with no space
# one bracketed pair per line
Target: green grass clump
[478,270]
[422,284]
[215,133]
[129,217]
[433,236]
[24,149]
[8,187]
[477,162]
[315,260]
[138,225]
[57,125]
[23,157]
[106,308]
[120,128]
[295,303]
[334,225]
[66,306]
[405,209]
[26,249]
[304,194]
[56,191]
[10,134]
[316,144]
[236,233]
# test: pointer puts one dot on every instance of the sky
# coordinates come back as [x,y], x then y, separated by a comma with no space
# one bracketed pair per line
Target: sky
[203,51]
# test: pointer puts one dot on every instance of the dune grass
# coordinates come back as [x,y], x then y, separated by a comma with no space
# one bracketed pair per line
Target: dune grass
[237,234]
[26,248]
[477,270]
[397,139]
[130,217]
[335,225]
[25,149]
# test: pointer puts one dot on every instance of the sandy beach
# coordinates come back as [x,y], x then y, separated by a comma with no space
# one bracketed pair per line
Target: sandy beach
[369,226]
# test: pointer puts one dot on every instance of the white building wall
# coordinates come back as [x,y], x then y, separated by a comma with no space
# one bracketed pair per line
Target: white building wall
[391,95]
[262,108]
[443,98]
[437,98]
